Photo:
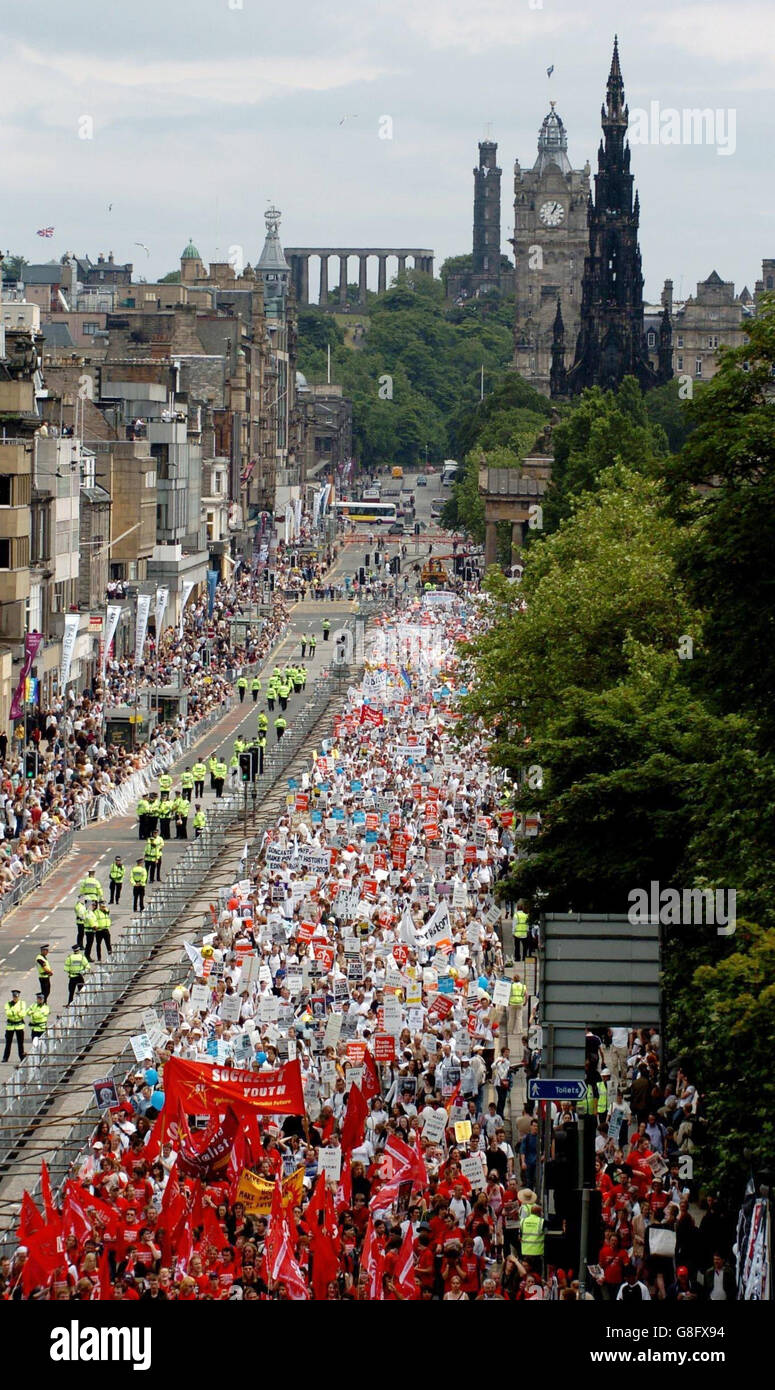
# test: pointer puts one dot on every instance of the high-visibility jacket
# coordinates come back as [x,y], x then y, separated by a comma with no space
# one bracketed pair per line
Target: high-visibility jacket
[281,723]
[520,924]
[234,760]
[313,641]
[103,919]
[532,1235]
[15,1015]
[153,807]
[303,671]
[200,820]
[221,770]
[165,782]
[602,1098]
[326,626]
[255,684]
[199,770]
[37,1016]
[80,913]
[182,807]
[261,741]
[276,674]
[117,872]
[239,745]
[187,780]
[166,809]
[263,721]
[90,921]
[76,964]
[43,966]
[242,683]
[212,763]
[152,851]
[138,875]
[518,994]
[587,1106]
[159,843]
[90,888]
[142,806]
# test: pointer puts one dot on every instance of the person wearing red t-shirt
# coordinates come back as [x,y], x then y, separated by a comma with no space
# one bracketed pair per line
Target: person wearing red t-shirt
[613,1262]
[472,1267]
[425,1268]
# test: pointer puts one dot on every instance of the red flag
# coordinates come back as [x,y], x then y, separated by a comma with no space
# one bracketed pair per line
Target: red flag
[75,1222]
[370,1085]
[30,1219]
[90,1203]
[325,1261]
[344,1192]
[49,1206]
[354,1124]
[403,1273]
[373,1261]
[286,1270]
[46,1251]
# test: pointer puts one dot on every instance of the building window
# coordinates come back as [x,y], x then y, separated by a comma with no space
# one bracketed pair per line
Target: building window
[5,490]
[90,329]
[5,553]
[712,342]
[698,367]
[652,339]
[770,282]
[680,340]
[680,363]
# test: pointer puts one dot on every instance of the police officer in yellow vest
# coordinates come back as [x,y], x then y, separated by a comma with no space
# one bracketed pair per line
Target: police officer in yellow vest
[602,1092]
[280,725]
[517,1001]
[138,879]
[37,1017]
[221,773]
[152,857]
[532,1234]
[165,784]
[200,821]
[142,817]
[187,783]
[255,686]
[45,971]
[182,809]
[152,818]
[242,685]
[212,764]
[117,872]
[520,926]
[76,966]
[80,920]
[166,812]
[200,772]
[91,887]
[15,1014]
[588,1104]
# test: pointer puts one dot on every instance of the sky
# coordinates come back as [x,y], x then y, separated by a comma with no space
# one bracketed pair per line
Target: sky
[200,113]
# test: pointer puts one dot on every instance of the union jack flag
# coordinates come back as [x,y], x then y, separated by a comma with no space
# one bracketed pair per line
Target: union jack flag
[46,231]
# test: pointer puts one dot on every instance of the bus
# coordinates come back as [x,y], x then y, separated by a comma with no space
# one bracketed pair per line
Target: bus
[367,513]
[449,472]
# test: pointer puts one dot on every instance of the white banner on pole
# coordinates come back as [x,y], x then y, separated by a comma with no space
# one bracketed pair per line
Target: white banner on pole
[188,586]
[111,623]
[143,609]
[68,647]
[162,595]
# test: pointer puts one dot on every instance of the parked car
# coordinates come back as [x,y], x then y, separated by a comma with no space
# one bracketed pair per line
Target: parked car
[422,481]
[396,528]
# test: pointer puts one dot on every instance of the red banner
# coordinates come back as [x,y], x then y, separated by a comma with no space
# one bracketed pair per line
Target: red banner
[384,1047]
[375,717]
[198,1088]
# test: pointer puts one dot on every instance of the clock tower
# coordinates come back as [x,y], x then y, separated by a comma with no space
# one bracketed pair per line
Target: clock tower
[550,240]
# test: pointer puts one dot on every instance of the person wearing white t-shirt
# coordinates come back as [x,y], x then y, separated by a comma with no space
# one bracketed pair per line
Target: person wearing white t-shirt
[617,1061]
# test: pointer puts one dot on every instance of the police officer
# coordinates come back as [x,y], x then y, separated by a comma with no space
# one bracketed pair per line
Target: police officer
[200,772]
[313,641]
[37,1017]
[15,1014]
[80,920]
[152,857]
[91,927]
[517,1000]
[326,626]
[45,971]
[212,763]
[296,677]
[303,645]
[152,819]
[165,785]
[187,783]
[117,872]
[520,929]
[76,966]
[91,887]
[263,723]
[255,687]
[271,692]
[138,879]
[280,725]
[200,821]
[142,817]
[221,772]
[166,811]
[242,685]
[303,675]
[103,932]
[182,809]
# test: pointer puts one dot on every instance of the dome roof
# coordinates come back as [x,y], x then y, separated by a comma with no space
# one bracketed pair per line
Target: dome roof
[552,144]
[190,253]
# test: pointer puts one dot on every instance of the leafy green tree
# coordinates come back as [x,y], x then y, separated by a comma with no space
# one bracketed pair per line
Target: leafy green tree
[667,408]
[171,278]
[13,268]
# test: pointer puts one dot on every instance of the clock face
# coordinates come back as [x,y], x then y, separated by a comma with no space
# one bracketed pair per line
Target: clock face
[551,214]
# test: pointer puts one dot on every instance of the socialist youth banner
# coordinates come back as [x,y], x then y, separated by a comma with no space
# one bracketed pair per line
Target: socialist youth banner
[198,1088]
[162,595]
[111,623]
[68,647]
[143,609]
[188,588]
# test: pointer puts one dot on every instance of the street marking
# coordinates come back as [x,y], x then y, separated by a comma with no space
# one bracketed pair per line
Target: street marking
[14,948]
[34,929]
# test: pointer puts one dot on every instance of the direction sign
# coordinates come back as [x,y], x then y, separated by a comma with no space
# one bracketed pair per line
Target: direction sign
[556,1090]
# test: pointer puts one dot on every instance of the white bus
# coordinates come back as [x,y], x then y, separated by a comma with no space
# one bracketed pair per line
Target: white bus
[368,513]
[449,472]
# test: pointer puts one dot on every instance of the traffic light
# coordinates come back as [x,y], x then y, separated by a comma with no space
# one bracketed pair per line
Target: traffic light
[30,764]
[246,767]
[254,763]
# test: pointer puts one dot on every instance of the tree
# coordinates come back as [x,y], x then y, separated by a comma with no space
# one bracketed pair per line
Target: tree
[171,278]
[667,408]
[729,557]
[13,268]
[606,427]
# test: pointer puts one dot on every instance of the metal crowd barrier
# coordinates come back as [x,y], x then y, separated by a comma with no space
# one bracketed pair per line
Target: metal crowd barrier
[52,1058]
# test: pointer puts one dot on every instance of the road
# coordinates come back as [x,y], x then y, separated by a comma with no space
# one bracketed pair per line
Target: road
[47,915]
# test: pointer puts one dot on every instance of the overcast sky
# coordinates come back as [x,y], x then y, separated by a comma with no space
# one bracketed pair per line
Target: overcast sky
[203,114]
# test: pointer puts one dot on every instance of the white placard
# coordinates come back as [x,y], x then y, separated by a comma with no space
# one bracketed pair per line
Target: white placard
[472,1168]
[501,994]
[392,1014]
[333,1029]
[141,1046]
[330,1163]
[229,1009]
[434,1126]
